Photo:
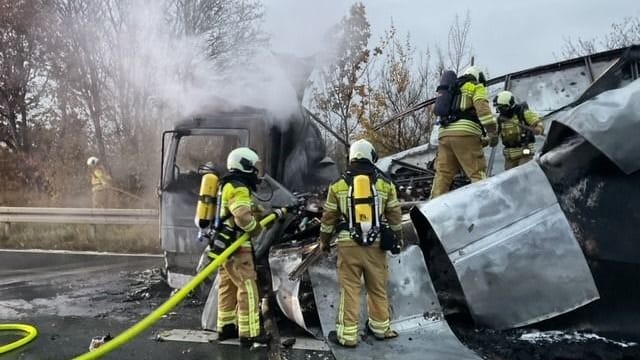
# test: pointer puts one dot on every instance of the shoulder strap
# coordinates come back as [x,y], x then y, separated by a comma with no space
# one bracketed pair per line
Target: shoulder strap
[219,220]
[522,107]
[527,135]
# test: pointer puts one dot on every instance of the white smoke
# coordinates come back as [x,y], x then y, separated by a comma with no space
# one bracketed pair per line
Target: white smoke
[179,73]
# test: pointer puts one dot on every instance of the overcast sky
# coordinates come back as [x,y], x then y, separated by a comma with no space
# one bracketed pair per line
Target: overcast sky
[507,35]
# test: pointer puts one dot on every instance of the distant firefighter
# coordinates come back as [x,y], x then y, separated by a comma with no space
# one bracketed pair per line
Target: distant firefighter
[100,183]
[518,126]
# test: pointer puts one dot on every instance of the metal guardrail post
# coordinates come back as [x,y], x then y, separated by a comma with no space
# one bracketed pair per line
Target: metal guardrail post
[92,232]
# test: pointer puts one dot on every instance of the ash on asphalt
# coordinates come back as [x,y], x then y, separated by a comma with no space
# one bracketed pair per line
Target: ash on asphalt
[529,344]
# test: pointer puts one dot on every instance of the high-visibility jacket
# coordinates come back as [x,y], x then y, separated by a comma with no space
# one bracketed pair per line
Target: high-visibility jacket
[473,96]
[336,208]
[236,200]
[511,133]
[100,179]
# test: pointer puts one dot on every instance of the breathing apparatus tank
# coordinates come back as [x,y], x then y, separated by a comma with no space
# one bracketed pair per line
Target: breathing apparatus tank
[362,199]
[206,208]
[364,227]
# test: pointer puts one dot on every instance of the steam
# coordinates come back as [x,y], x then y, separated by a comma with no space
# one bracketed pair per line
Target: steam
[181,74]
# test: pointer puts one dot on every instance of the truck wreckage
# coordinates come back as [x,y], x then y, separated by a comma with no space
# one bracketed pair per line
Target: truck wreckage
[548,245]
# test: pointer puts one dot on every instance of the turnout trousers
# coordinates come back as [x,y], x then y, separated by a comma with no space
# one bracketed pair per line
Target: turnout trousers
[238,296]
[456,153]
[355,263]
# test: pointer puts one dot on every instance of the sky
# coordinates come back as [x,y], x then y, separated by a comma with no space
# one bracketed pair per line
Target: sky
[507,36]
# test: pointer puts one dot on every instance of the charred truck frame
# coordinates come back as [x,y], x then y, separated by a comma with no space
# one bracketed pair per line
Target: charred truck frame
[291,149]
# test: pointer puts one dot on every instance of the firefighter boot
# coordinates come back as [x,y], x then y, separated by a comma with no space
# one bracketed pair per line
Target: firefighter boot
[388,334]
[260,340]
[333,337]
[229,331]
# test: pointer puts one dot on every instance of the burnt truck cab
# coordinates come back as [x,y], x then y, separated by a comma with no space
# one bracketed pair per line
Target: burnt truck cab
[293,158]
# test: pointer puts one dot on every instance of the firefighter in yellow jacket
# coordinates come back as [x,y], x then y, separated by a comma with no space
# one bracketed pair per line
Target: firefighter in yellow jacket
[517,126]
[238,298]
[460,141]
[360,253]
[100,183]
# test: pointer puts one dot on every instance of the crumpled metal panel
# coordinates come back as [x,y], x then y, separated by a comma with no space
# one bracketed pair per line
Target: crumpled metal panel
[282,262]
[415,313]
[209,317]
[552,90]
[512,248]
[610,121]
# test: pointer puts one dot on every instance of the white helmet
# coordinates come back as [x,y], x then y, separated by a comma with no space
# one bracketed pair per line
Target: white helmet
[476,73]
[243,159]
[362,149]
[92,161]
[504,100]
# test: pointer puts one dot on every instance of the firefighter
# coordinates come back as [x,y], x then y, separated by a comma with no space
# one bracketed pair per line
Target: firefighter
[518,126]
[238,298]
[359,245]
[100,183]
[461,140]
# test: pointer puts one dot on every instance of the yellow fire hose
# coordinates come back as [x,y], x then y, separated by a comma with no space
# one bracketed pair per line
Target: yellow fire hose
[172,302]
[30,334]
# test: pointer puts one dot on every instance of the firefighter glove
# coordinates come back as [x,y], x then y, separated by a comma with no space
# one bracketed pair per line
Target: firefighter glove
[485,141]
[493,140]
[279,212]
[324,241]
[324,245]
[204,236]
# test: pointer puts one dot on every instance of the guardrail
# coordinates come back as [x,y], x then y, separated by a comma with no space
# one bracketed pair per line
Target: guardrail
[9,215]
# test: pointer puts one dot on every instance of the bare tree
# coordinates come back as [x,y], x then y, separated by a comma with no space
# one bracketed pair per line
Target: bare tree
[83,60]
[402,81]
[232,27]
[24,69]
[339,94]
[621,34]
[459,51]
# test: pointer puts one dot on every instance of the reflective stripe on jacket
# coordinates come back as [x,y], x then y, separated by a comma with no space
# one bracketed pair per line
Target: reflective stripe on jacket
[474,96]
[510,132]
[100,179]
[236,199]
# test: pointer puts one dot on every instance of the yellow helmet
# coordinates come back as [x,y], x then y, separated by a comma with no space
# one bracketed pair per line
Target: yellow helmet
[362,149]
[476,73]
[243,159]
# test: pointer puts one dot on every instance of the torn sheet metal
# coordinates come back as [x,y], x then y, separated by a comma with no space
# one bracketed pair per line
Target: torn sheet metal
[415,313]
[282,261]
[187,335]
[593,191]
[610,121]
[512,248]
[210,311]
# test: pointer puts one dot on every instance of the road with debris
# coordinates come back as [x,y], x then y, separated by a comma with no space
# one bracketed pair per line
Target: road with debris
[72,297]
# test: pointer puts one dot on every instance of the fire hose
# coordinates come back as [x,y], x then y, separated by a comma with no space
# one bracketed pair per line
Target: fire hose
[29,331]
[173,301]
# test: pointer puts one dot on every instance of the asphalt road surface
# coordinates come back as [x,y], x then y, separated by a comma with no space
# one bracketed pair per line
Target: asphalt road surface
[73,297]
